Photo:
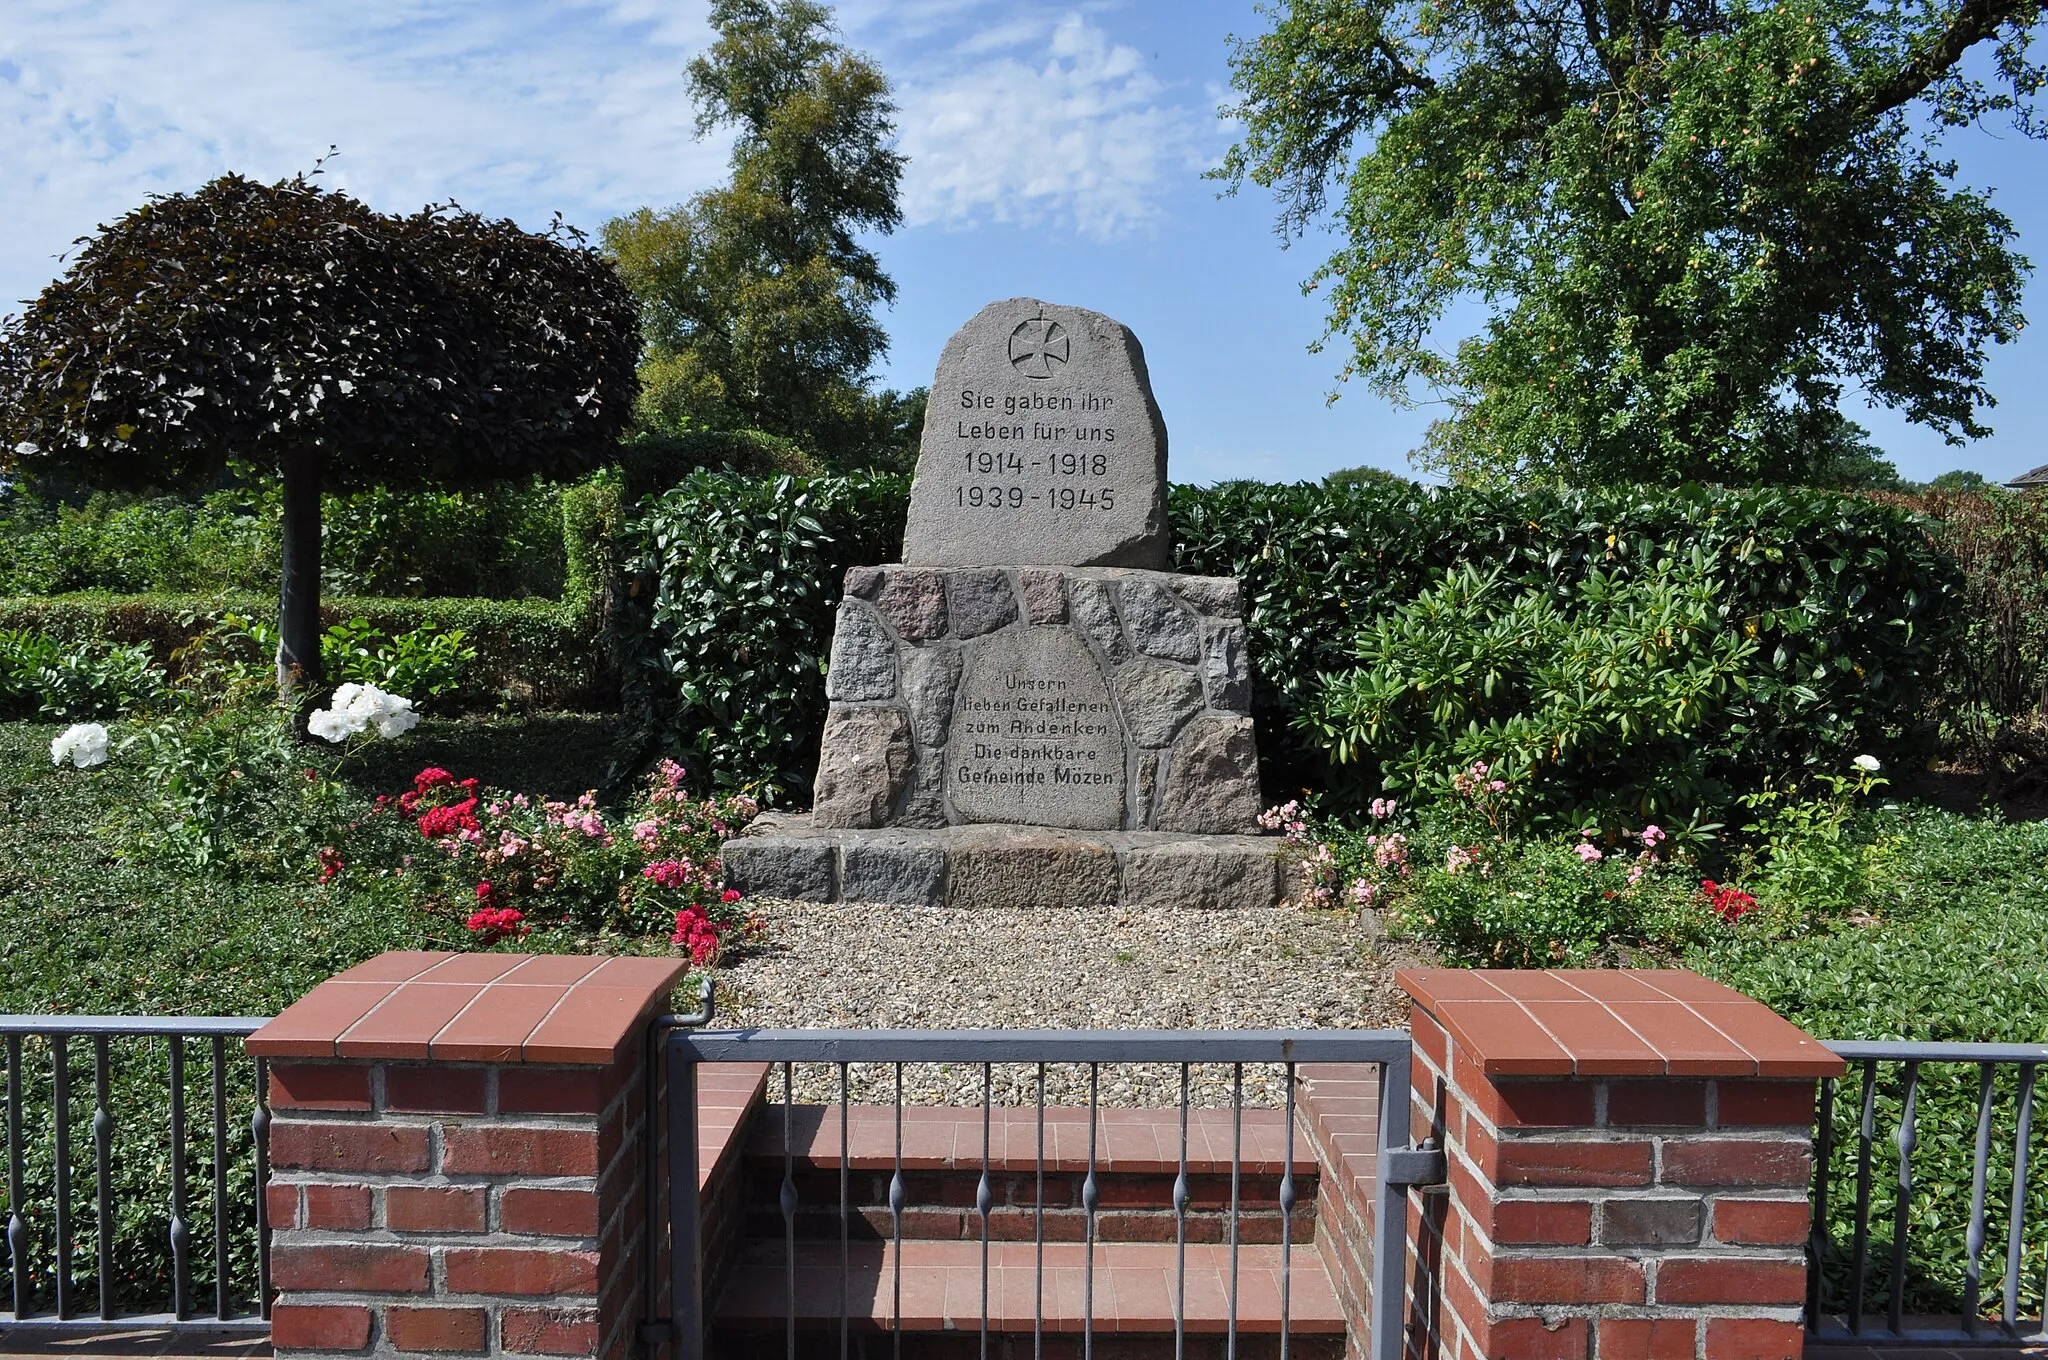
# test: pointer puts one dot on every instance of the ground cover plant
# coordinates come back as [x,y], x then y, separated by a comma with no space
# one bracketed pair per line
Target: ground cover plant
[1854,913]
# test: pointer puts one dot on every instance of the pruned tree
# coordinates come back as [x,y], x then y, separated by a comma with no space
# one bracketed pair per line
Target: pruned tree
[1690,223]
[296,332]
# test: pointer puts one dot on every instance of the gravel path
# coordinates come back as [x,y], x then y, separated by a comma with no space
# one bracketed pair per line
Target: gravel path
[850,966]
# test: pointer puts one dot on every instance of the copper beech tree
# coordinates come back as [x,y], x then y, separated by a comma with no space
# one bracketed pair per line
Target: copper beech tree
[282,329]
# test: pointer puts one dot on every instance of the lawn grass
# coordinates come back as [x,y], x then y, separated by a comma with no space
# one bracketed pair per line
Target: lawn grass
[87,928]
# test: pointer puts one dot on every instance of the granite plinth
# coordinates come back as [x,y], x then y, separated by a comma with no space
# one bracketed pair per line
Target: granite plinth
[1019,867]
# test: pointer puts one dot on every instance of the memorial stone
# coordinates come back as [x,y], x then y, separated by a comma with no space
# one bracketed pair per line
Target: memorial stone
[1027,710]
[1042,446]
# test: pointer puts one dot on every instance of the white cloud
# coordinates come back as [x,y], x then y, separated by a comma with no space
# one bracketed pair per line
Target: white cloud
[524,107]
[1078,134]
[516,109]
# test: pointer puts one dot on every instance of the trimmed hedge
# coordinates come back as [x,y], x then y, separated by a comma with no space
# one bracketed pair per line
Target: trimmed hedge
[726,619]
[725,647]
[1851,603]
[531,653]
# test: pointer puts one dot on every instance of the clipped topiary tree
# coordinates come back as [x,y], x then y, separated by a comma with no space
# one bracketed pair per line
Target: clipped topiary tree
[281,328]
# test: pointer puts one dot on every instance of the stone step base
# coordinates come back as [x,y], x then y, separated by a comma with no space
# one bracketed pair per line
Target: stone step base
[1017,867]
[1135,1287]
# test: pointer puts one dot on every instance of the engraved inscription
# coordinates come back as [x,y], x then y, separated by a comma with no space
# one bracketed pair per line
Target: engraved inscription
[1034,736]
[1037,346]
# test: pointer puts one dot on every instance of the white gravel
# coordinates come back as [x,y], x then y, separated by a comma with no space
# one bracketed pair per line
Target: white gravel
[877,967]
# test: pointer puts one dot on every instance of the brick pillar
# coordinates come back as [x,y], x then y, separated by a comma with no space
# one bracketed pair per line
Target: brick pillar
[458,1155]
[1629,1156]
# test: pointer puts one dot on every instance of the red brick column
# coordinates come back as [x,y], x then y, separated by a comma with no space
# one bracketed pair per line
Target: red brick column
[458,1155]
[1629,1156]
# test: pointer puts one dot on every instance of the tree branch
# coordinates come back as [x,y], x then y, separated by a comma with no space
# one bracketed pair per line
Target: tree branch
[1420,81]
[1975,21]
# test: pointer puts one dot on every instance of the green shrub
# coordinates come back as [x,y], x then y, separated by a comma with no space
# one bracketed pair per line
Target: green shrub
[723,646]
[1849,599]
[1614,703]
[502,542]
[42,677]
[529,653]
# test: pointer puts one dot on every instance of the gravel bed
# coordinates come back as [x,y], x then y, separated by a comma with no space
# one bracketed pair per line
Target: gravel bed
[850,966]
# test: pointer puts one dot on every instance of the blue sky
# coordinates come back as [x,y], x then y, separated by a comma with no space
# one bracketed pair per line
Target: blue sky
[1056,150]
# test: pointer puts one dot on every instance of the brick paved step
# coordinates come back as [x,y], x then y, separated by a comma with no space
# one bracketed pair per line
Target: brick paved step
[1137,1160]
[942,1300]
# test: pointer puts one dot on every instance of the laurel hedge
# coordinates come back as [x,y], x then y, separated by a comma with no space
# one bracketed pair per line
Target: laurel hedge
[735,579]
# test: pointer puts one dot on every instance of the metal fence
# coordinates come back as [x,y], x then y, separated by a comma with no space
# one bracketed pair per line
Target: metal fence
[114,1094]
[1908,1264]
[1399,1165]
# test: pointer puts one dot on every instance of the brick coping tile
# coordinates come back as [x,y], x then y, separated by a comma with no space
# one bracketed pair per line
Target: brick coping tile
[502,1008]
[1610,1023]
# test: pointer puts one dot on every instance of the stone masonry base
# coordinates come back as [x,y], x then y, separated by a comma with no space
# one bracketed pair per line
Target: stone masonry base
[1004,866]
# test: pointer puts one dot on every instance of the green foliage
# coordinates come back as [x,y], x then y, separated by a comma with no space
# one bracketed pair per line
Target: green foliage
[724,651]
[263,323]
[502,541]
[528,653]
[1994,673]
[758,297]
[1365,475]
[420,664]
[1690,226]
[1621,700]
[1849,599]
[42,677]
[1944,946]
[1961,480]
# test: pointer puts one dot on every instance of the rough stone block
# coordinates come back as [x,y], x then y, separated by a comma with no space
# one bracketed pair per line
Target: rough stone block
[980,601]
[930,675]
[1221,871]
[780,866]
[1157,699]
[863,767]
[895,870]
[1226,675]
[863,657]
[1219,597]
[1092,609]
[1159,624]
[1026,868]
[1212,781]
[914,603]
[1045,595]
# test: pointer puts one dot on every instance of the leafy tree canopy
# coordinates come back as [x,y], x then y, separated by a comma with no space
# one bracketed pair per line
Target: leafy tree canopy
[759,297]
[302,333]
[1961,479]
[264,322]
[1365,475]
[1691,221]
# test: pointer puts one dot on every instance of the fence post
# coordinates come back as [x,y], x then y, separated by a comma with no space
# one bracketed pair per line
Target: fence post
[458,1157]
[1629,1156]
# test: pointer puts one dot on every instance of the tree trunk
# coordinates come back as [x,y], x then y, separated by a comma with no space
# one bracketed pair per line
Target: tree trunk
[298,601]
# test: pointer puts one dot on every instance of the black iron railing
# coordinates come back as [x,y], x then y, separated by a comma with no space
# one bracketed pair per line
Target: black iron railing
[837,1051]
[99,1115]
[1899,1251]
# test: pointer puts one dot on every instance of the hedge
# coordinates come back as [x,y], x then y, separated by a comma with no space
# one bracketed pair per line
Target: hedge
[531,653]
[1851,603]
[725,621]
[725,648]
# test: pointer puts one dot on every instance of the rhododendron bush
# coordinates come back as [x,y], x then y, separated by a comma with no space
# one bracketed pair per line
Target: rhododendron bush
[502,866]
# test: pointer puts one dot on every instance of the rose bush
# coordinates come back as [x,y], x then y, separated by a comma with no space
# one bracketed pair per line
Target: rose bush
[509,865]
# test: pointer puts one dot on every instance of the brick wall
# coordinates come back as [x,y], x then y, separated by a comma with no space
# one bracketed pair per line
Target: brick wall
[458,1156]
[1628,1159]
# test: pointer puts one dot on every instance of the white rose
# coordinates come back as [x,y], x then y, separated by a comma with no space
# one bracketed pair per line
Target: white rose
[396,717]
[329,725]
[83,744]
[1867,764]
